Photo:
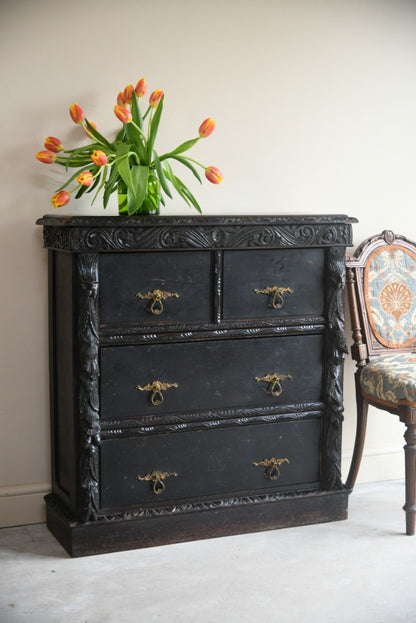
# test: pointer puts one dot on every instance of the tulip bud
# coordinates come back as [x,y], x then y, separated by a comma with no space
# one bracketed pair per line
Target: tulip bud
[60,199]
[155,98]
[120,99]
[99,158]
[214,175]
[53,144]
[77,114]
[206,127]
[128,94]
[46,156]
[85,178]
[123,114]
[141,87]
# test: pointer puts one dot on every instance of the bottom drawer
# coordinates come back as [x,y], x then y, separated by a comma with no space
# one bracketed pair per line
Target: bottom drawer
[234,460]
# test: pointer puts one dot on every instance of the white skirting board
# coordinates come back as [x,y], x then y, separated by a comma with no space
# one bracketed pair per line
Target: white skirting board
[377,465]
[22,504]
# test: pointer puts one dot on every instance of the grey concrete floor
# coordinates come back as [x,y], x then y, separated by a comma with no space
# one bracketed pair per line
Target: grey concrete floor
[356,571]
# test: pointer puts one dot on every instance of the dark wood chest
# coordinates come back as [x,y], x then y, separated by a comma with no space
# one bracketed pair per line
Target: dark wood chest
[196,376]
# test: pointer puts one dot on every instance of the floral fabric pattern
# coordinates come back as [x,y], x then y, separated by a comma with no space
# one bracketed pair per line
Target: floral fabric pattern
[390,293]
[391,379]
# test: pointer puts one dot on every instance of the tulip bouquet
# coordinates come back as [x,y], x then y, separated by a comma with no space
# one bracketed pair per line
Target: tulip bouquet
[130,164]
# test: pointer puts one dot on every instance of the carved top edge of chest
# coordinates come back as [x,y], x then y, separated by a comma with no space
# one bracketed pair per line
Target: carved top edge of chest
[117,233]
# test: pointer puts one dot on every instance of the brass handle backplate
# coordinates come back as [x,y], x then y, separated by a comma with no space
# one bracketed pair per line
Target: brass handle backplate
[272,465]
[275,382]
[275,294]
[157,297]
[157,478]
[157,387]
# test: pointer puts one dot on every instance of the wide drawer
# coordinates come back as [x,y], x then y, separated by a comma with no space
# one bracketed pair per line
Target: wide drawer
[138,288]
[217,374]
[273,283]
[234,460]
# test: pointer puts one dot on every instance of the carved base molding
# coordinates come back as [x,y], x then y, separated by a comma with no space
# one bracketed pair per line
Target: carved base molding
[192,522]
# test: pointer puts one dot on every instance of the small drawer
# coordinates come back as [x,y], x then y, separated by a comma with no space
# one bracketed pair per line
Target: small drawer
[234,460]
[273,283]
[217,374]
[137,288]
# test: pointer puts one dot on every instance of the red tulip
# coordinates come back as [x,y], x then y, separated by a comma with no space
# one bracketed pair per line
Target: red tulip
[120,99]
[77,114]
[206,127]
[123,114]
[46,156]
[99,158]
[53,144]
[85,178]
[214,175]
[141,87]
[60,199]
[128,94]
[155,98]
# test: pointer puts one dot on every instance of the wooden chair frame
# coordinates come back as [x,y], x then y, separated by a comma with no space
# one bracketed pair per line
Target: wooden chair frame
[366,348]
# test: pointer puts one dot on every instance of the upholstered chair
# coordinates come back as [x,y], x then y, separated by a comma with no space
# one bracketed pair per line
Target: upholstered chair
[381,286]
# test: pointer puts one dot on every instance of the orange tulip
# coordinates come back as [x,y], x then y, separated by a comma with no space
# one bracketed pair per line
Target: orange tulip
[206,127]
[214,175]
[77,114]
[128,94]
[46,156]
[123,114]
[85,178]
[60,199]
[53,144]
[120,99]
[99,158]
[155,98]
[141,87]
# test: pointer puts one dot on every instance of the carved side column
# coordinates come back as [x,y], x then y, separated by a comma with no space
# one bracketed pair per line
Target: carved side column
[335,350]
[88,391]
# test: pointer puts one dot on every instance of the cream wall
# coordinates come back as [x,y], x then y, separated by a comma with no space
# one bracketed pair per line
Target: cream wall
[315,107]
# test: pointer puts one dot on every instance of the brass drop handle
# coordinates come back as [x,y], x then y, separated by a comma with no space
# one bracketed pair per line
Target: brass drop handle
[157,297]
[157,387]
[276,295]
[272,465]
[275,382]
[157,478]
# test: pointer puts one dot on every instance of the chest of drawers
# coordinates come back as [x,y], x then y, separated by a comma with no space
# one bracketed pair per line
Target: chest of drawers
[196,376]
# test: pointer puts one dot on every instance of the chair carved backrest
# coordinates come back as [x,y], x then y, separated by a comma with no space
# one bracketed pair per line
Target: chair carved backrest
[381,283]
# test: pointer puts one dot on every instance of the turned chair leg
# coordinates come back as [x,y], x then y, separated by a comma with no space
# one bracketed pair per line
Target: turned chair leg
[410,471]
[362,411]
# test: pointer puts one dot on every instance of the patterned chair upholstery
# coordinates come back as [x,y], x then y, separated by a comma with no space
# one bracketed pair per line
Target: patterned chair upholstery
[381,285]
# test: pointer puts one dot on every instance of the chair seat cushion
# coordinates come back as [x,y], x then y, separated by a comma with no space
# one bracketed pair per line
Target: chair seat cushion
[390,380]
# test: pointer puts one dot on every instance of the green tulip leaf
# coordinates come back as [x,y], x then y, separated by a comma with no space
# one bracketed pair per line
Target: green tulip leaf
[153,128]
[135,111]
[182,190]
[135,196]
[122,160]
[160,173]
[137,142]
[181,148]
[99,137]
[111,184]
[186,162]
